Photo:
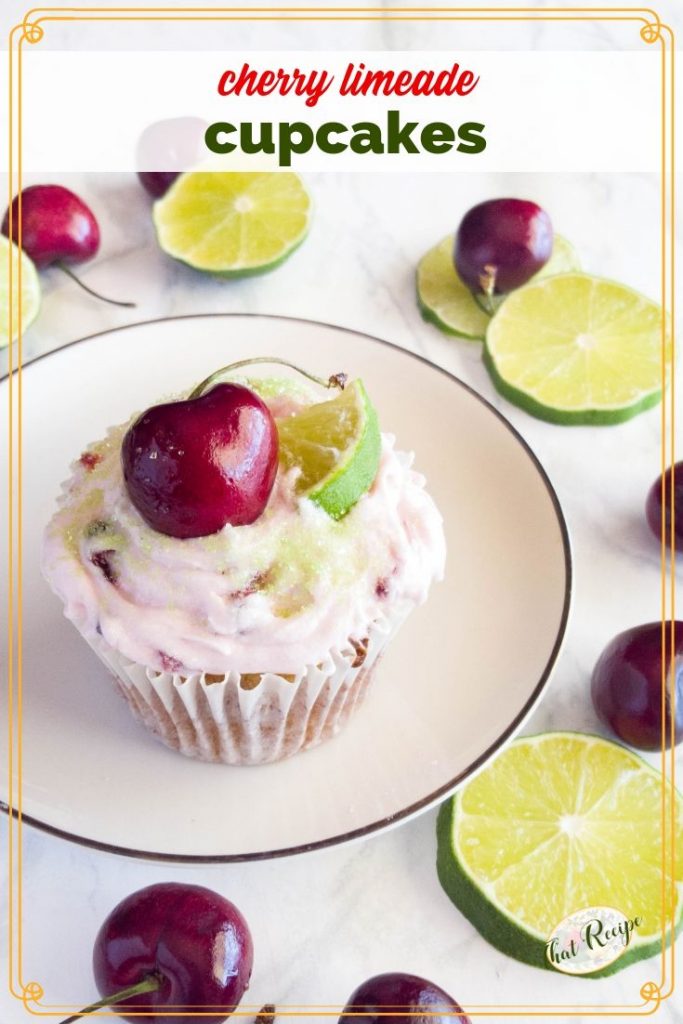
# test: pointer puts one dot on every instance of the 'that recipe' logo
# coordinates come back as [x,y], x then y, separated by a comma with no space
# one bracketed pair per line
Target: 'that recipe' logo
[590,939]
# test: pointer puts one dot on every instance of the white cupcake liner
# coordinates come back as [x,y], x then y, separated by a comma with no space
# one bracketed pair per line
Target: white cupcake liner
[251,718]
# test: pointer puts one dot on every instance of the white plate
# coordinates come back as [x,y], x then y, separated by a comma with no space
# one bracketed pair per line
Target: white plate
[458,681]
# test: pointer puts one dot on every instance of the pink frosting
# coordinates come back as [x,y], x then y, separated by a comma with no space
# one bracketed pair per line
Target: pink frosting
[273,596]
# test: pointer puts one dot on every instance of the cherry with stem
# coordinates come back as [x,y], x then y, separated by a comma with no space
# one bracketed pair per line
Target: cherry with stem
[91,291]
[219,447]
[149,984]
[55,227]
[499,245]
[337,380]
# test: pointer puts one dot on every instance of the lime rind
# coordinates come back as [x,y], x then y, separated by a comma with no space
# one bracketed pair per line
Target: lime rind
[566,417]
[233,224]
[339,492]
[532,348]
[254,271]
[498,926]
[340,440]
[30,291]
[442,297]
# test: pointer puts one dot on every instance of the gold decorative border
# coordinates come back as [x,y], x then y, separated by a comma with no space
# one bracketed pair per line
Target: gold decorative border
[31,30]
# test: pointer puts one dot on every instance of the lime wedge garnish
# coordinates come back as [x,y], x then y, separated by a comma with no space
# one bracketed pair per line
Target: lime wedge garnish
[558,823]
[336,446]
[232,223]
[447,302]
[578,349]
[30,291]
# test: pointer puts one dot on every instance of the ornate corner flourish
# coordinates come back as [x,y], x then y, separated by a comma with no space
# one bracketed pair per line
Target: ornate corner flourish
[651,993]
[651,32]
[32,992]
[31,31]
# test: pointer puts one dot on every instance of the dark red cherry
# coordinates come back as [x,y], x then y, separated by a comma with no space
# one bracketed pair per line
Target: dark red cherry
[56,226]
[673,478]
[398,998]
[195,466]
[157,183]
[166,148]
[191,467]
[626,686]
[194,942]
[501,244]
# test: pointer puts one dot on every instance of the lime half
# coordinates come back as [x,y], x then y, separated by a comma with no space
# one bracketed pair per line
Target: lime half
[30,291]
[558,823]
[336,446]
[231,223]
[447,302]
[578,349]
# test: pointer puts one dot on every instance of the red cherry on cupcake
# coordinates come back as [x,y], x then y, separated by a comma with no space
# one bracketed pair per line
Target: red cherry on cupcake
[184,948]
[397,998]
[57,228]
[194,466]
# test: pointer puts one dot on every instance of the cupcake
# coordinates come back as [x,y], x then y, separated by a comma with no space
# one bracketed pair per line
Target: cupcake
[240,558]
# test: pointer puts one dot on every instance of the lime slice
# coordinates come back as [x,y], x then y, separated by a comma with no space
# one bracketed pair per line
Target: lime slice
[233,224]
[30,291]
[447,302]
[578,349]
[558,823]
[563,259]
[444,299]
[336,445]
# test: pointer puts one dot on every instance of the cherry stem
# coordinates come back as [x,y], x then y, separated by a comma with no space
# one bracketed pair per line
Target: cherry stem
[337,380]
[90,291]
[149,984]
[487,282]
[266,1014]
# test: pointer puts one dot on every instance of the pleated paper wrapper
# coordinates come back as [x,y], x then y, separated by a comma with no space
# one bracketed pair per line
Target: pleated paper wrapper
[251,718]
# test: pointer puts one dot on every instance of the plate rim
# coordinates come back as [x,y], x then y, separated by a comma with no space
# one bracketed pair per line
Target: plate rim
[442,792]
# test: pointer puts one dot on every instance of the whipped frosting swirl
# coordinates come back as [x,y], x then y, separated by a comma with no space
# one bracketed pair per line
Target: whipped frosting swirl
[273,596]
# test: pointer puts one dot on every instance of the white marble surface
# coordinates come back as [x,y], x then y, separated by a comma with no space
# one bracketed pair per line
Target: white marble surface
[392,26]
[323,922]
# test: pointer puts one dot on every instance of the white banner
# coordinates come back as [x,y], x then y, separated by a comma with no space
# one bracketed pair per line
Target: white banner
[423,111]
